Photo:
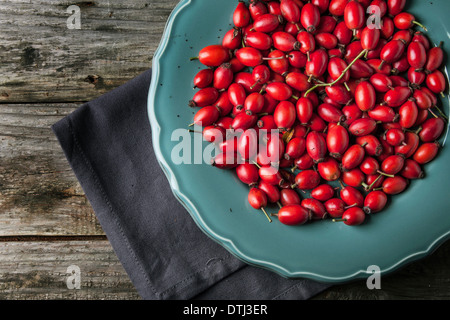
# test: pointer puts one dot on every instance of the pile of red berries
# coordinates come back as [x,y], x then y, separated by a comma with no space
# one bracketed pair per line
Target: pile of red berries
[350,102]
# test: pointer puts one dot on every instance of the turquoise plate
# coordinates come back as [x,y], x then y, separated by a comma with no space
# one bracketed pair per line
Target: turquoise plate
[412,226]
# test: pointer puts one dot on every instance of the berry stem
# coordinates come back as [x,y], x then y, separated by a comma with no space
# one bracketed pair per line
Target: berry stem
[441,113]
[338,220]
[254,85]
[385,174]
[339,78]
[373,183]
[346,86]
[274,58]
[268,218]
[420,25]
[434,115]
[256,164]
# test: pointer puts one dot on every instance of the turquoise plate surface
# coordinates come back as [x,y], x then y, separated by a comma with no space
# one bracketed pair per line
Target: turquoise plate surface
[412,226]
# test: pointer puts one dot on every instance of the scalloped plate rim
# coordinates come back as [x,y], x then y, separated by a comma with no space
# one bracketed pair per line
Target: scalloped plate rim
[228,243]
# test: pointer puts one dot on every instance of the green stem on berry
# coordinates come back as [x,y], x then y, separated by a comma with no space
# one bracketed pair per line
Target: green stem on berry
[420,25]
[373,183]
[441,113]
[385,174]
[256,164]
[362,53]
[268,218]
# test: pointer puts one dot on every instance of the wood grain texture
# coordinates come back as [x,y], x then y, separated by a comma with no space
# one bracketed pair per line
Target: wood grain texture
[425,279]
[38,271]
[43,60]
[39,193]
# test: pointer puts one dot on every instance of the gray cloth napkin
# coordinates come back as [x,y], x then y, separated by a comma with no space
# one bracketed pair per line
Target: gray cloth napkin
[108,144]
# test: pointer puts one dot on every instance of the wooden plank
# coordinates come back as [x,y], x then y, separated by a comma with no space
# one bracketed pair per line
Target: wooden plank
[39,193]
[39,271]
[43,60]
[425,279]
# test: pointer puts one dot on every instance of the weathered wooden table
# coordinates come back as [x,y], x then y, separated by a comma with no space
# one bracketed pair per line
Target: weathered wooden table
[48,68]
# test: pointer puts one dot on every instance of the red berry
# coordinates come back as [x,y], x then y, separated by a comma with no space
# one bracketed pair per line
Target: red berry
[203,78]
[316,208]
[223,76]
[412,170]
[395,6]
[394,185]
[436,82]
[354,15]
[406,20]
[293,215]
[279,91]
[362,127]
[408,113]
[248,173]
[266,23]
[316,146]
[369,165]
[417,55]
[435,58]
[290,11]
[258,40]
[323,192]
[353,216]
[214,55]
[338,141]
[426,152]
[329,169]
[395,137]
[375,201]
[335,207]
[307,180]
[409,146]
[393,164]
[206,116]
[432,129]
[241,15]
[289,197]
[225,160]
[310,17]
[365,96]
